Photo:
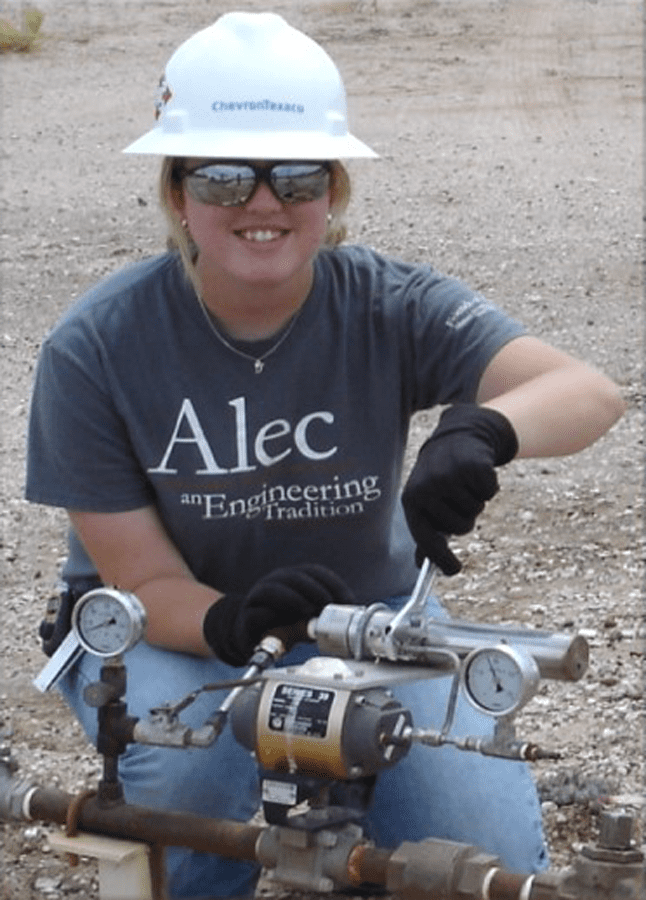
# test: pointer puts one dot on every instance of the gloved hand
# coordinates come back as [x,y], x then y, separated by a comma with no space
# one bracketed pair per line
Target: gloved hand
[234,625]
[454,476]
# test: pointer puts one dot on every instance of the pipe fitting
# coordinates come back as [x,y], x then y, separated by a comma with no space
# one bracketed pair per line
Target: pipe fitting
[15,794]
[308,860]
[616,830]
[439,868]
[613,868]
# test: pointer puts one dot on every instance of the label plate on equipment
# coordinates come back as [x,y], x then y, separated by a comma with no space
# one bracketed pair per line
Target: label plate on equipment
[297,709]
[280,792]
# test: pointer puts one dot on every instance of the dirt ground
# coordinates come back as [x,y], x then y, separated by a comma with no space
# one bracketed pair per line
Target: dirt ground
[510,141]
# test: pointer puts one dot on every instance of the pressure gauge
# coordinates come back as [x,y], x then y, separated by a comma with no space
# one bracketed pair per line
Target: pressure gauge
[108,621]
[499,680]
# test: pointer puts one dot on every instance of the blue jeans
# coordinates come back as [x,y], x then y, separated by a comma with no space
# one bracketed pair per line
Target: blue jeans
[433,792]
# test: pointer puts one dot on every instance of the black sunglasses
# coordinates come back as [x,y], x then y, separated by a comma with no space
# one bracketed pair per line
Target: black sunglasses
[234,183]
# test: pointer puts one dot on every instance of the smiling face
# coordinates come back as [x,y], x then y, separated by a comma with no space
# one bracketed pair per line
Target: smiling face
[263,243]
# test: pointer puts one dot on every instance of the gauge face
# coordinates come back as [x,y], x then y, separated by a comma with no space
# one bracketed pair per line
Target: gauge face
[108,622]
[498,680]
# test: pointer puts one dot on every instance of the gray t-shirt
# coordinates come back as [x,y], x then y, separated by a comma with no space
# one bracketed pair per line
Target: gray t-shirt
[137,402]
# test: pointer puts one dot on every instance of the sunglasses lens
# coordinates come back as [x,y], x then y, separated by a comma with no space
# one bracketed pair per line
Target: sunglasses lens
[221,184]
[300,182]
[232,184]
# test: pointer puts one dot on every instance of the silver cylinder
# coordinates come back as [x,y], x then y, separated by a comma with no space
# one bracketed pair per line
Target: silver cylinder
[357,632]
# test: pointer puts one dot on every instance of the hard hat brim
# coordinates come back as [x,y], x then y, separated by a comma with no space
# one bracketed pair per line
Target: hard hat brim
[249,145]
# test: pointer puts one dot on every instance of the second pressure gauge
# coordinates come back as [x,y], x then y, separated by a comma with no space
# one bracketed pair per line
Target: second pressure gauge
[108,621]
[499,680]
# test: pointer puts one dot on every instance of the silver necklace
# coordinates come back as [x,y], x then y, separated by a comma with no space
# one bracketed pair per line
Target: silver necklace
[258,361]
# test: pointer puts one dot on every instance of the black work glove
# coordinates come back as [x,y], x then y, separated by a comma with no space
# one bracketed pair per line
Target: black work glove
[234,625]
[454,476]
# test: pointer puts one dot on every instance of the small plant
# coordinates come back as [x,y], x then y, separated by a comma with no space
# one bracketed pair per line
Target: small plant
[25,38]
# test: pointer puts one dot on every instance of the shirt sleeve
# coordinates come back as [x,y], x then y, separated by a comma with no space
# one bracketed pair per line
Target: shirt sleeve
[79,455]
[453,333]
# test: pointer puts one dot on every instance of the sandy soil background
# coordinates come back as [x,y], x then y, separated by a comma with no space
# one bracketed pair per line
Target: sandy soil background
[510,142]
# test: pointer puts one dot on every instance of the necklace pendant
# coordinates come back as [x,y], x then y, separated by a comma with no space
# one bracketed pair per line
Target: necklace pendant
[258,366]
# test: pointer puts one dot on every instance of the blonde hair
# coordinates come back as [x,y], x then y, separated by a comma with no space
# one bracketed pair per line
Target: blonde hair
[178,238]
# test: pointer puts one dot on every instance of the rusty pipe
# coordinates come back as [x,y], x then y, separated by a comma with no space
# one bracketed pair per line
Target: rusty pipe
[369,865]
[425,870]
[225,837]
[238,840]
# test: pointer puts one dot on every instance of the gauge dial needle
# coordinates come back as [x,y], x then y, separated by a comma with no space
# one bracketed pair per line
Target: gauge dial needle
[495,676]
[111,621]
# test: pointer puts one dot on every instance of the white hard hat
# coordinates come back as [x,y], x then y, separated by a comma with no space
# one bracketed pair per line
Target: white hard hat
[251,86]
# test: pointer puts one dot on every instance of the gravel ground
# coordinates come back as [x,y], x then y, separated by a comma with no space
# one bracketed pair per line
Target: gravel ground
[509,136]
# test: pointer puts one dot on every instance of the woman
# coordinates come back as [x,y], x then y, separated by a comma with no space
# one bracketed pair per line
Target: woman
[226,424]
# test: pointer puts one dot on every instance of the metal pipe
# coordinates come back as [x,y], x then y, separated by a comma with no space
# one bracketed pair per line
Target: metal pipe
[509,886]
[366,864]
[225,837]
[369,865]
[414,870]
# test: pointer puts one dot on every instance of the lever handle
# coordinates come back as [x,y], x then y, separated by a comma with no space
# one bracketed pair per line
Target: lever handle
[415,605]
